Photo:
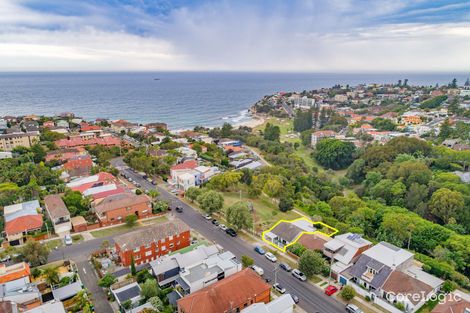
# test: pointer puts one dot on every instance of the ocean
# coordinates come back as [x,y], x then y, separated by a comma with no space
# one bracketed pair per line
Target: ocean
[180,99]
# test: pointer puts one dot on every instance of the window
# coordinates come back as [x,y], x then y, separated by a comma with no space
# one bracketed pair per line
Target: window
[137,249]
[170,238]
[137,257]
[171,245]
[119,218]
[148,253]
[128,209]
[148,246]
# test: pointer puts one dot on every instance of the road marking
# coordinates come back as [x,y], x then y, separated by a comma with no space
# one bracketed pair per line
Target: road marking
[84,271]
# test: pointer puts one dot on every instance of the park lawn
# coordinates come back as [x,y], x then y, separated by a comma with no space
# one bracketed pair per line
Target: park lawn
[116,230]
[263,207]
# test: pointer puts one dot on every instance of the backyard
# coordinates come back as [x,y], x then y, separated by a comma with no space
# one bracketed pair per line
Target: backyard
[116,230]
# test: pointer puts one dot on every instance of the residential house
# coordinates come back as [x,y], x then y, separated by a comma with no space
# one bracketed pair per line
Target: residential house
[31,127]
[115,208]
[340,98]
[122,125]
[48,124]
[387,275]
[62,124]
[84,183]
[58,214]
[18,139]
[167,268]
[286,233]
[411,120]
[107,141]
[65,154]
[14,276]
[129,292]
[345,249]
[282,304]
[321,134]
[147,244]
[181,168]
[314,241]
[21,219]
[226,294]
[78,166]
[49,307]
[26,296]
[453,303]
[211,270]
[186,154]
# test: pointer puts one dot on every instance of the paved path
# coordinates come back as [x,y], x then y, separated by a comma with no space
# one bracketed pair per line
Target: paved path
[311,298]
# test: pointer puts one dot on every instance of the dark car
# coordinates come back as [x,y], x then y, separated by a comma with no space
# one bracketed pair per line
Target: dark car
[260,250]
[215,222]
[179,209]
[285,267]
[231,232]
[295,298]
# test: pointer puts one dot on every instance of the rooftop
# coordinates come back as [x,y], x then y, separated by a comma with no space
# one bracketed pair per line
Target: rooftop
[388,254]
[55,206]
[121,200]
[13,211]
[226,293]
[23,223]
[13,272]
[401,284]
[153,233]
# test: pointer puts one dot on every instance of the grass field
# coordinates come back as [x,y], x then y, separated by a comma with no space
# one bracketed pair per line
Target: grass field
[116,230]
[266,211]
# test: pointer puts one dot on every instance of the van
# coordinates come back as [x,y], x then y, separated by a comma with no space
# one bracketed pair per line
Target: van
[258,270]
[351,308]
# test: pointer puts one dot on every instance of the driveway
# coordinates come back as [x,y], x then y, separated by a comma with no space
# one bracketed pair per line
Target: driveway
[312,299]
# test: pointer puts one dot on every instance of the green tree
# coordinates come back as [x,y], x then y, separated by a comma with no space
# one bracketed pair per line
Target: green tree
[52,275]
[303,121]
[238,215]
[133,270]
[286,204]
[192,193]
[416,195]
[383,124]
[306,137]
[348,293]
[273,187]
[156,303]
[226,130]
[39,154]
[149,289]
[131,220]
[356,171]
[34,253]
[225,180]
[211,201]
[311,263]
[446,204]
[445,130]
[107,280]
[334,153]
[247,261]
[272,132]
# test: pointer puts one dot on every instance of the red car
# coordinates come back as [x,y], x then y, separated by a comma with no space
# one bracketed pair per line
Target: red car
[330,290]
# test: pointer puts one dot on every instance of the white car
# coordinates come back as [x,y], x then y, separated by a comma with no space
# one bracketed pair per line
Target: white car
[299,275]
[68,240]
[258,270]
[279,288]
[207,217]
[271,257]
[223,227]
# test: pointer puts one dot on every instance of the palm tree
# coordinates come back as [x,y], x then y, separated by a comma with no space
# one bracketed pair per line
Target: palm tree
[52,275]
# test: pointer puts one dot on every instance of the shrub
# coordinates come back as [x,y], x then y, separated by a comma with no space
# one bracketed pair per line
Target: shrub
[348,293]
[448,286]
[247,261]
[131,220]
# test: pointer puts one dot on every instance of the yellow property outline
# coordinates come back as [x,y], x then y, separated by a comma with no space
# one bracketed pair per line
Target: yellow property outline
[283,249]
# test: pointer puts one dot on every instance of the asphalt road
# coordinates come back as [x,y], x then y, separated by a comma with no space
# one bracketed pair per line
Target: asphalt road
[311,298]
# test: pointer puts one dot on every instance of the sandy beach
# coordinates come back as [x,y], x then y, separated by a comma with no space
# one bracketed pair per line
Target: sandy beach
[255,121]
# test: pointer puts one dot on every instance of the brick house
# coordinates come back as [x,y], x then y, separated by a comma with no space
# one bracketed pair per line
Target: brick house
[321,134]
[149,243]
[115,208]
[227,295]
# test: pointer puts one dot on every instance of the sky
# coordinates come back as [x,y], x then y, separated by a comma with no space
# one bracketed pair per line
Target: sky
[239,35]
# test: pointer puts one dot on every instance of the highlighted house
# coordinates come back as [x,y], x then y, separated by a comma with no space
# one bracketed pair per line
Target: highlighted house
[285,233]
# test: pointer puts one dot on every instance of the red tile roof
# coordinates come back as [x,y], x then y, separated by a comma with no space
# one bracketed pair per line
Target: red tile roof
[23,223]
[76,142]
[232,291]
[103,178]
[119,201]
[402,284]
[84,127]
[452,305]
[79,162]
[188,165]
[14,272]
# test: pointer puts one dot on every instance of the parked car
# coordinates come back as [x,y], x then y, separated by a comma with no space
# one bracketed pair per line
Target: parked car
[260,250]
[257,269]
[215,222]
[207,217]
[231,232]
[68,240]
[351,308]
[295,298]
[286,267]
[179,209]
[330,290]
[223,227]
[279,288]
[271,257]
[299,275]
